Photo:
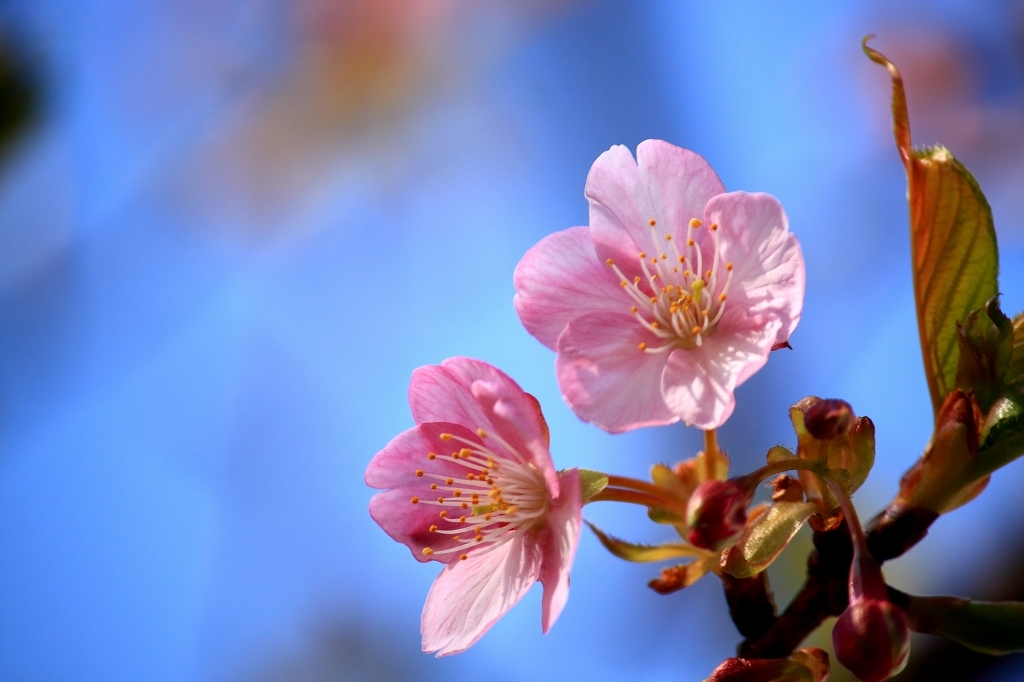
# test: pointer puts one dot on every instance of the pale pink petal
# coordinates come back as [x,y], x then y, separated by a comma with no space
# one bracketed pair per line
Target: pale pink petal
[666,183]
[559,539]
[410,523]
[606,378]
[768,266]
[469,596]
[679,185]
[559,278]
[618,207]
[699,383]
[435,395]
[510,411]
[397,463]
[501,405]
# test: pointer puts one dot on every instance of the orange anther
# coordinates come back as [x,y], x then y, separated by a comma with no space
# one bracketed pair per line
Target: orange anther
[694,222]
[651,222]
[433,528]
[642,345]
[446,437]
[427,551]
[419,472]
[414,499]
[463,557]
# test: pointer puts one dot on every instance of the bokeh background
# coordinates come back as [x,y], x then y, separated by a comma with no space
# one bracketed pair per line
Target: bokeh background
[230,229]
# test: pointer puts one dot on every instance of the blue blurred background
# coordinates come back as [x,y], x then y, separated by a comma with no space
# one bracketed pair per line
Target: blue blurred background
[229,230]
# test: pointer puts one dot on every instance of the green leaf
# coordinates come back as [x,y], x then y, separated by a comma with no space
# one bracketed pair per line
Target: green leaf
[766,537]
[989,627]
[591,483]
[954,257]
[645,553]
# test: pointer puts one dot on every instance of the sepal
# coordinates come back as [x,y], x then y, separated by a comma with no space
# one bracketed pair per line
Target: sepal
[806,665]
[765,537]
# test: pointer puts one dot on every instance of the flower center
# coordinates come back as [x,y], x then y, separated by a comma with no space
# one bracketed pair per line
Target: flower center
[677,299]
[497,498]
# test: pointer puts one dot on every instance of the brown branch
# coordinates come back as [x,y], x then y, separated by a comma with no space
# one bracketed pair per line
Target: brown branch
[751,604]
[889,534]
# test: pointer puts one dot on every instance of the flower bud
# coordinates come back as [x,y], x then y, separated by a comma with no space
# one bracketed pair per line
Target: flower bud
[717,513]
[872,639]
[829,418]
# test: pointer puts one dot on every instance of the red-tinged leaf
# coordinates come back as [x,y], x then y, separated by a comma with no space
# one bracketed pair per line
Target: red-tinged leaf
[952,239]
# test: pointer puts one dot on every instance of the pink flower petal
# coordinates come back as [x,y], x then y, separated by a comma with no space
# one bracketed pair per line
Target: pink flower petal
[768,265]
[604,376]
[504,406]
[559,539]
[699,383]
[397,463]
[560,276]
[435,395]
[666,183]
[410,523]
[510,409]
[679,183]
[469,596]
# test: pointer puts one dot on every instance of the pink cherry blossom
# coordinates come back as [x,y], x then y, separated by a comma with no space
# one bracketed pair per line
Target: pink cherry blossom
[473,486]
[673,296]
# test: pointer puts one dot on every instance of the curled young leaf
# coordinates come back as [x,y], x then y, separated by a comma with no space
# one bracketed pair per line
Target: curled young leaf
[640,553]
[985,340]
[994,628]
[954,256]
[766,537]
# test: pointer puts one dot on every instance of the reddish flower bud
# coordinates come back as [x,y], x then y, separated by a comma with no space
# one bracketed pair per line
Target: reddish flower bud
[828,419]
[872,639]
[717,513]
